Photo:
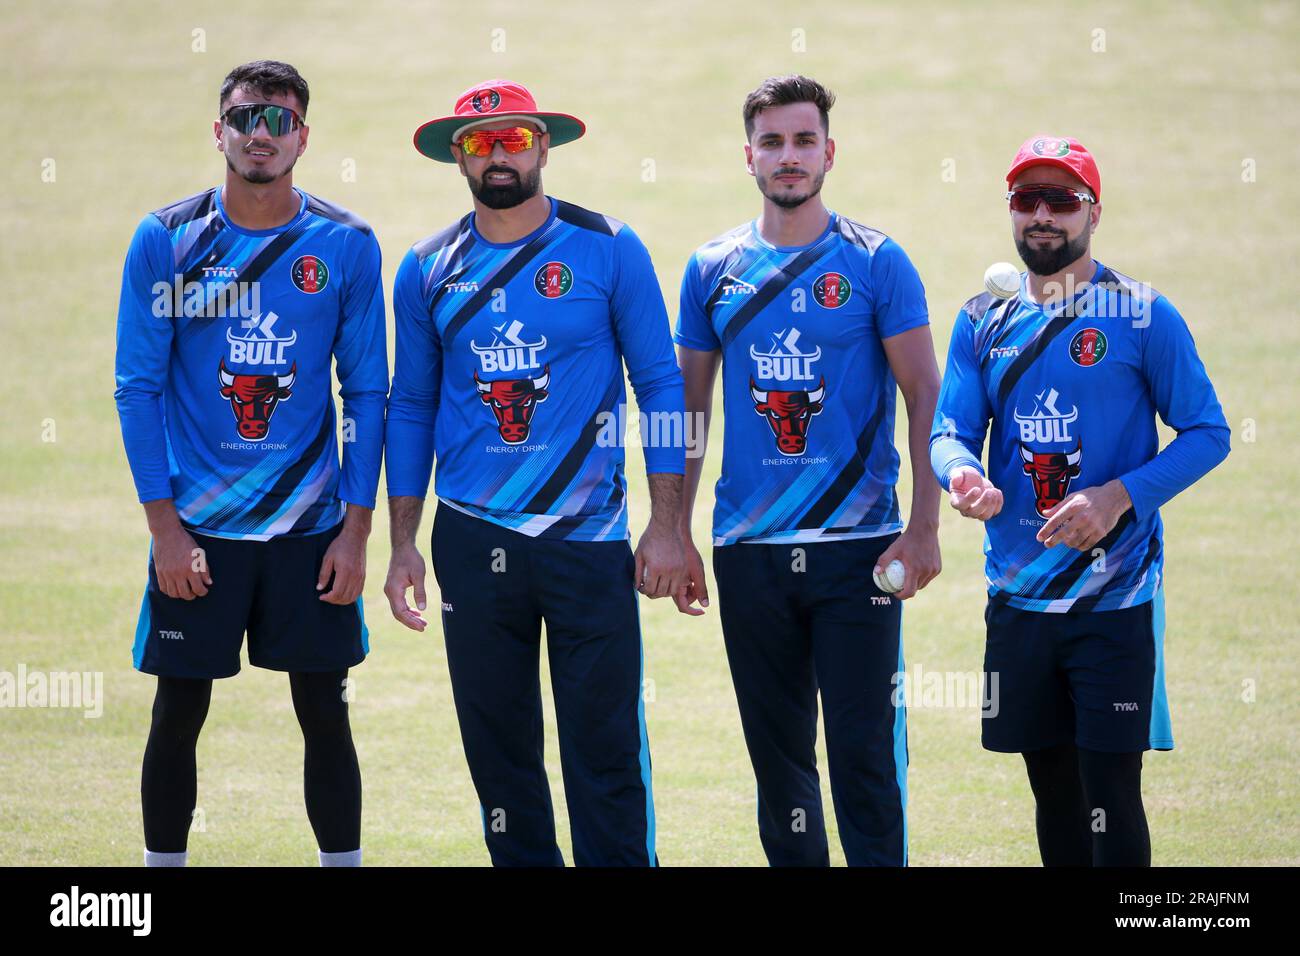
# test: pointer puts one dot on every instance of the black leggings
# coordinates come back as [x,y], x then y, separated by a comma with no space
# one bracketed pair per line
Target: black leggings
[331,776]
[1089,807]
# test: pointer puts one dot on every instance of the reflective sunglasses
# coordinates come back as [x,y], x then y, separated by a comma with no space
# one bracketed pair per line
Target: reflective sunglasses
[279,119]
[1059,199]
[479,142]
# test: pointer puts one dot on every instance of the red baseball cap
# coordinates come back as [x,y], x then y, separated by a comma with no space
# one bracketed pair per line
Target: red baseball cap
[487,103]
[1067,154]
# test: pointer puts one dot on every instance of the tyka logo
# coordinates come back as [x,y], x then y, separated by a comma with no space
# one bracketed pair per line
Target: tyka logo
[259,345]
[785,362]
[1046,424]
[508,351]
[733,286]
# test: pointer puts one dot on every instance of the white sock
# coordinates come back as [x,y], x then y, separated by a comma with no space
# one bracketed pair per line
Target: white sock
[166,859]
[346,858]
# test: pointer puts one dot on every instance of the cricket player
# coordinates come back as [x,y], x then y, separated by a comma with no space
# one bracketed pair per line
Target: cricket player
[234,302]
[1072,371]
[816,320]
[513,325]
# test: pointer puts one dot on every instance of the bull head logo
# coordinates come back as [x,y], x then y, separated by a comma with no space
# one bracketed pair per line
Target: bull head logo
[513,402]
[1051,473]
[788,414]
[253,398]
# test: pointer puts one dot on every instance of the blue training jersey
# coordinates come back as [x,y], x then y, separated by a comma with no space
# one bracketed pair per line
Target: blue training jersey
[509,367]
[807,392]
[1072,391]
[224,341]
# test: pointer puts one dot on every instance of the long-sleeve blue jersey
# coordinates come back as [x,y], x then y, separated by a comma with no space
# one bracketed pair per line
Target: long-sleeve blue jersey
[509,366]
[224,341]
[1073,391]
[808,441]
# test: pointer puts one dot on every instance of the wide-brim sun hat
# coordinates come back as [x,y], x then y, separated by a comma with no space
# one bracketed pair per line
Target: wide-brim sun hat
[491,102]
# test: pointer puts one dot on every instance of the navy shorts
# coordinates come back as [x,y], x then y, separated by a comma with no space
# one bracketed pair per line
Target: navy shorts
[1094,678]
[264,588]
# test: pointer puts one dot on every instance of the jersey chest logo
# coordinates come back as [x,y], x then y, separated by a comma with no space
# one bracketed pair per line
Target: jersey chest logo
[1050,472]
[514,398]
[787,411]
[253,398]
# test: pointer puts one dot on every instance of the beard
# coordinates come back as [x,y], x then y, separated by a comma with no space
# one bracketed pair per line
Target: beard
[783,199]
[260,177]
[506,195]
[1049,261]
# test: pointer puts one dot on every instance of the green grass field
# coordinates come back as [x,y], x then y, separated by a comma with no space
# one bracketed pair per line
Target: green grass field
[1190,108]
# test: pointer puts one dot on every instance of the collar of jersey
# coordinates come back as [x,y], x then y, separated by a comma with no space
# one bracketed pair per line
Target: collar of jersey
[1056,308]
[758,238]
[478,236]
[230,224]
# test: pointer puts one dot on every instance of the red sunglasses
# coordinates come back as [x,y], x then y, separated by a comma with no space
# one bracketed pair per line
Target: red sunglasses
[1059,199]
[480,142]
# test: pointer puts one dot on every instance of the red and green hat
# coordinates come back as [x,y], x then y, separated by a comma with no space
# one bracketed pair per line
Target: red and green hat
[1059,151]
[487,103]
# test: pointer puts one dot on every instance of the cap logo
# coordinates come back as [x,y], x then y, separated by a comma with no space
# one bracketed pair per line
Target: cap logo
[485,101]
[1052,148]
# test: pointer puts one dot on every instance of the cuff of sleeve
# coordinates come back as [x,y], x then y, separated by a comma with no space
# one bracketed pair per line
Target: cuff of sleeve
[697,344]
[407,491]
[1142,507]
[966,461]
[358,500]
[915,322]
[669,468]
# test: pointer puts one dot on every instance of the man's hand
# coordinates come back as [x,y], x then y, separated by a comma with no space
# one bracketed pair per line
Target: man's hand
[696,587]
[181,565]
[345,560]
[406,570]
[972,494]
[918,549]
[1085,517]
[661,563]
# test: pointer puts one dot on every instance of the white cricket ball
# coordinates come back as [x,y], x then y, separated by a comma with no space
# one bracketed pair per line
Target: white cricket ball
[892,579]
[1002,279]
